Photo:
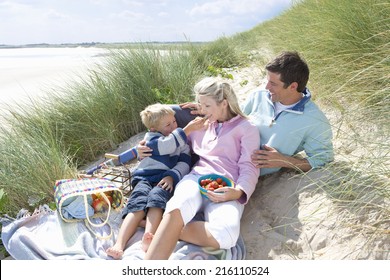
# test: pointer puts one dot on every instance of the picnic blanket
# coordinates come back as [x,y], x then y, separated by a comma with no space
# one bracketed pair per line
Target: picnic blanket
[43,235]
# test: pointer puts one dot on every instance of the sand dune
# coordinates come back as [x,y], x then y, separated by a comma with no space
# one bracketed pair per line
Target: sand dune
[288,217]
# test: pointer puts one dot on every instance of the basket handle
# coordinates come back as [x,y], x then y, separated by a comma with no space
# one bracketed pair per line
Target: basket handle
[89,223]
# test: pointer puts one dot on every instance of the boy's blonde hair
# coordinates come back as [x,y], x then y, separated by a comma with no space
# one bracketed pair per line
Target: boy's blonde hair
[152,114]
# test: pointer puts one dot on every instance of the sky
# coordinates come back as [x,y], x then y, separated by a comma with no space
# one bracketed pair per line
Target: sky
[109,21]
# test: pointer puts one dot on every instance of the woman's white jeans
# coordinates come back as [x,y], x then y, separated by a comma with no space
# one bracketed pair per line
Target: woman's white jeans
[223,219]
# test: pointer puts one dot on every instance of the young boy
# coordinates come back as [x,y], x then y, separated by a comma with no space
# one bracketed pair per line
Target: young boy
[156,176]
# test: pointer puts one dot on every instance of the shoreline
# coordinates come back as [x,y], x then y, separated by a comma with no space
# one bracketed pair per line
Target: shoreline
[27,74]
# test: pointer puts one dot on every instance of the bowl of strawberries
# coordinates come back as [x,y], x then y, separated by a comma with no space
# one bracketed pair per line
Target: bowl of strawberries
[212,182]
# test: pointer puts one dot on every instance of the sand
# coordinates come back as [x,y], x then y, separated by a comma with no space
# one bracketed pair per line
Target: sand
[29,73]
[288,217]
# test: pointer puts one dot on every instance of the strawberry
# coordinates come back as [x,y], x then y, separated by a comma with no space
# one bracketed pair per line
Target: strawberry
[98,205]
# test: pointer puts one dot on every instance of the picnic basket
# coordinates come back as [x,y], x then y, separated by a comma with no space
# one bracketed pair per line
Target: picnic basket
[82,192]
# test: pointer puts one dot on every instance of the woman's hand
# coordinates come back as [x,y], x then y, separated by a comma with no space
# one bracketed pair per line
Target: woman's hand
[143,151]
[166,183]
[224,194]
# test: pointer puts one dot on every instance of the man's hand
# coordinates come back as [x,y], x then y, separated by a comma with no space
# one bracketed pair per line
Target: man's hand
[195,109]
[143,151]
[166,183]
[271,158]
[268,158]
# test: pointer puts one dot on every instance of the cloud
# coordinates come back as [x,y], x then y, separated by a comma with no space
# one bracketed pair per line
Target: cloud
[13,8]
[126,15]
[55,15]
[234,7]
[227,17]
[62,21]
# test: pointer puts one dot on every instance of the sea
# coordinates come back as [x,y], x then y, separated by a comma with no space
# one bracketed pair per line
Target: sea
[27,74]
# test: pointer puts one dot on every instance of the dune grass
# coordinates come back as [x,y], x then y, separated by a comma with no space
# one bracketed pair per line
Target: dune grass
[346,44]
[78,123]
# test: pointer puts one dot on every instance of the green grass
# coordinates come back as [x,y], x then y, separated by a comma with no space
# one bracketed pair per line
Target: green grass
[346,43]
[81,121]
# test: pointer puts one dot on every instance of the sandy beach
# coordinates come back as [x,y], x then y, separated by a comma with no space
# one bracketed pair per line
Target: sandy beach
[287,218]
[290,217]
[28,73]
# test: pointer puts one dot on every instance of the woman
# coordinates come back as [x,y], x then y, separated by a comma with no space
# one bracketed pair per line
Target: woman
[224,147]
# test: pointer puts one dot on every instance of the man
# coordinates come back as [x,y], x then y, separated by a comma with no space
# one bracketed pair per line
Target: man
[289,122]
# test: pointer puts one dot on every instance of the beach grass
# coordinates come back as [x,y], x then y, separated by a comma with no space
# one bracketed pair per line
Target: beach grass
[77,123]
[346,44]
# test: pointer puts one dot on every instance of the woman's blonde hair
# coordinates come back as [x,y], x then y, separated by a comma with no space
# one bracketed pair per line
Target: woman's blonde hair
[152,114]
[219,91]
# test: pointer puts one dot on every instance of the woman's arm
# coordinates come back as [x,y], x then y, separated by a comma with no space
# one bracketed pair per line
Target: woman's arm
[248,173]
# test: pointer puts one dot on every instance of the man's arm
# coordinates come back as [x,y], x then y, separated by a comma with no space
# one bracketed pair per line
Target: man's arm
[318,145]
[184,113]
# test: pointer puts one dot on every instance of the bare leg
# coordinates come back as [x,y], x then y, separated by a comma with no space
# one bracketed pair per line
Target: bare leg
[127,229]
[142,223]
[196,233]
[166,236]
[153,219]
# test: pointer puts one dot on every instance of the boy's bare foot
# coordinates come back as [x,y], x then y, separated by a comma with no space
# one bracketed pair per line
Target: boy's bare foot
[146,240]
[115,251]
